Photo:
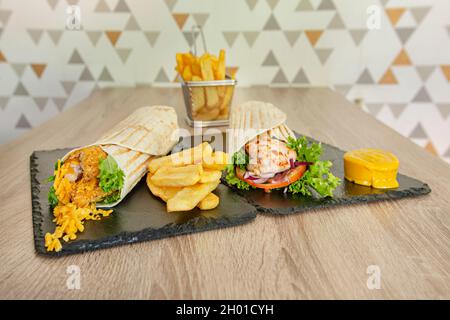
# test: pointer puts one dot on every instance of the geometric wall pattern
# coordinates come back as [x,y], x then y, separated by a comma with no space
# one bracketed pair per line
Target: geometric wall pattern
[400,70]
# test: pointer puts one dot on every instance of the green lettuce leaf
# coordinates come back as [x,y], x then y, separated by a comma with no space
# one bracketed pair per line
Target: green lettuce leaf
[239,159]
[111,176]
[52,177]
[111,198]
[318,176]
[52,198]
[306,152]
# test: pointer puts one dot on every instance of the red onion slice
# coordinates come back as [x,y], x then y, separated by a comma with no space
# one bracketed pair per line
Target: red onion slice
[295,164]
[259,181]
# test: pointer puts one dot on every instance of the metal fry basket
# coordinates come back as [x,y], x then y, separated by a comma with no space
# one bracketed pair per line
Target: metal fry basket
[207,102]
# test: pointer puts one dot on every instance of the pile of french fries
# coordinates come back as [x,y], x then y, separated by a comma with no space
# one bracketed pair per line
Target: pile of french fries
[186,179]
[208,102]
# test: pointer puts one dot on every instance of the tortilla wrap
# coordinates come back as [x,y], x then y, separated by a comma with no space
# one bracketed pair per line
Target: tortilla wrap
[253,118]
[146,133]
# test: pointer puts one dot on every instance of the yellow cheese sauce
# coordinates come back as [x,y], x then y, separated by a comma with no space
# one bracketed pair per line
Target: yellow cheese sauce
[371,167]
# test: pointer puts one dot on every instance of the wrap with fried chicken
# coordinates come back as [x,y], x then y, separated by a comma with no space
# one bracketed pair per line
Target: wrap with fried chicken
[101,174]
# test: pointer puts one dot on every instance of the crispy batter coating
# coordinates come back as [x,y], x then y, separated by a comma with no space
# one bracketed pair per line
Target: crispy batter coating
[85,187]
[90,158]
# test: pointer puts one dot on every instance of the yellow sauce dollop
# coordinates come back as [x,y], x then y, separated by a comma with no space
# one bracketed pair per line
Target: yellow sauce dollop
[371,167]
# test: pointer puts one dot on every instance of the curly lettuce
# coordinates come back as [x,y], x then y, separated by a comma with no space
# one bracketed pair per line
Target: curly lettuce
[111,177]
[51,196]
[318,176]
[239,159]
[111,198]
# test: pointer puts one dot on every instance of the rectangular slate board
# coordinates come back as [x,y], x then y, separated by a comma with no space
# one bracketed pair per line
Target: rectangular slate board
[347,193]
[139,217]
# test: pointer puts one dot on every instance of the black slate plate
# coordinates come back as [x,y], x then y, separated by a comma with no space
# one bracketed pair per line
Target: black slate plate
[139,217]
[347,193]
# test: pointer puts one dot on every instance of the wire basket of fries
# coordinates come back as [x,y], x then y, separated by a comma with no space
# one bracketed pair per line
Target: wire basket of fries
[207,89]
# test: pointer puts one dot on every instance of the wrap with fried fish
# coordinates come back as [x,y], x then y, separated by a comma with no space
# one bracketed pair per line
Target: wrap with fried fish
[101,174]
[267,155]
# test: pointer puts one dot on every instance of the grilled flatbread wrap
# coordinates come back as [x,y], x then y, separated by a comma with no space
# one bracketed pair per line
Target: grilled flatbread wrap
[266,154]
[253,118]
[147,132]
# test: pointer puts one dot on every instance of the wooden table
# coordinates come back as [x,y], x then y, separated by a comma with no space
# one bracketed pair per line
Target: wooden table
[319,254]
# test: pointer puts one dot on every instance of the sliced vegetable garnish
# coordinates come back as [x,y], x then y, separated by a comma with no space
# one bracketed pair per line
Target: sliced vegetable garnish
[291,176]
[233,180]
[318,176]
[307,172]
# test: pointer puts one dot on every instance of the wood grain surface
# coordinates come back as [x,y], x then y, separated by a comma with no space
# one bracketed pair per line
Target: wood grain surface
[319,254]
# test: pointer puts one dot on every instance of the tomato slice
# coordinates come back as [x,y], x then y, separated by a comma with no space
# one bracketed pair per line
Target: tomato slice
[293,176]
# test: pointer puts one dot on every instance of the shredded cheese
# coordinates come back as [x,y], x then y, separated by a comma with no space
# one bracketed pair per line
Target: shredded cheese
[69,218]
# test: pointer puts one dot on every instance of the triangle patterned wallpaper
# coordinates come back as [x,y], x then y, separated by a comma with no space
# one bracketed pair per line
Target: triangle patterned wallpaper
[399,68]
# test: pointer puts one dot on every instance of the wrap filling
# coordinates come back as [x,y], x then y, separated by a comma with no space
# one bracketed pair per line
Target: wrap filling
[292,165]
[87,177]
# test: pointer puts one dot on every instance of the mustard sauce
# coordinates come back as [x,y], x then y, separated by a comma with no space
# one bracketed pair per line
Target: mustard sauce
[371,167]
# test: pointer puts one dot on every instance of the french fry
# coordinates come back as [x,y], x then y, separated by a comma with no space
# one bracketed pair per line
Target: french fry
[231,71]
[210,176]
[212,97]
[177,176]
[188,59]
[221,91]
[196,70]
[185,157]
[165,193]
[179,58]
[206,68]
[218,161]
[227,98]
[186,179]
[198,96]
[206,151]
[214,64]
[189,156]
[157,163]
[221,66]
[189,197]
[223,114]
[206,114]
[211,201]
[187,73]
